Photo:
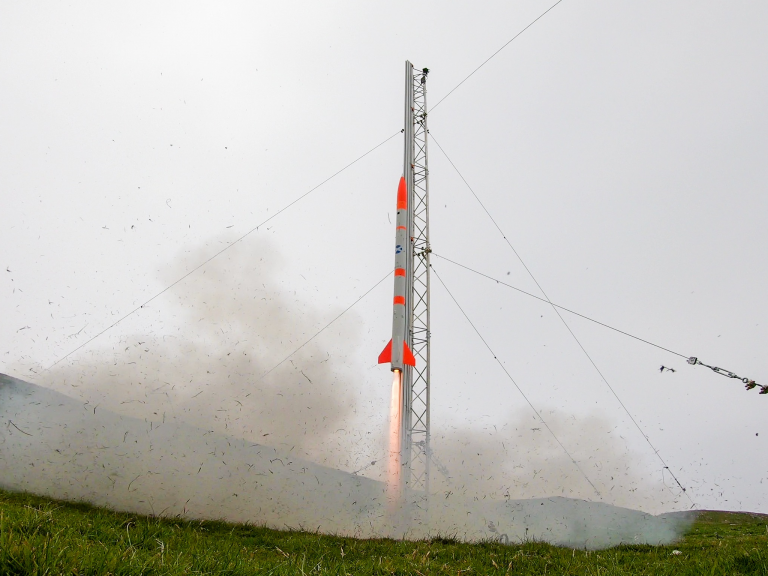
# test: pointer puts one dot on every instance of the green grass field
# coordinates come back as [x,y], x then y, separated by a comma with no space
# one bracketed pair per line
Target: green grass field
[42,536]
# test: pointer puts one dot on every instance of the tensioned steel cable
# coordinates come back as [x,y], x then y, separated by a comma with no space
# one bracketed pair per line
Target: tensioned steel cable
[495,53]
[538,415]
[227,247]
[584,350]
[347,309]
[749,383]
[316,334]
[558,305]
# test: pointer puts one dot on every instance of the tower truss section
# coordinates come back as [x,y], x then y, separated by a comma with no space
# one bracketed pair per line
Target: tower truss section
[416,397]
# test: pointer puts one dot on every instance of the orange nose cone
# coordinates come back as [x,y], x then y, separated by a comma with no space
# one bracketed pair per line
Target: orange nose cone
[402,195]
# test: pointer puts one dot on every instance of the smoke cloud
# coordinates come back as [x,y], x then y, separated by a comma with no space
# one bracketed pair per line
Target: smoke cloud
[195,415]
[519,458]
[210,358]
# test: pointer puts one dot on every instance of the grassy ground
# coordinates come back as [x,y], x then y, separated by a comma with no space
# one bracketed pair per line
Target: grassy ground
[41,536]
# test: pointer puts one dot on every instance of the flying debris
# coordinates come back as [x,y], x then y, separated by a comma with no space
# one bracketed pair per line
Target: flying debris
[397,352]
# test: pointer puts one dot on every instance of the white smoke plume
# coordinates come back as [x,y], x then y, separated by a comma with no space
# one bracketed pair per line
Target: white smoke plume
[177,419]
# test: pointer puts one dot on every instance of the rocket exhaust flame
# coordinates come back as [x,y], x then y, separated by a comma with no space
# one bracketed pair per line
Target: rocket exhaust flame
[393,465]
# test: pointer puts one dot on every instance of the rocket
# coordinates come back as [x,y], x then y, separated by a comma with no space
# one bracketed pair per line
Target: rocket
[397,352]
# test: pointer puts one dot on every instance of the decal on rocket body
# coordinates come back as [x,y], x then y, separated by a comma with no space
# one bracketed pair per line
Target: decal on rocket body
[397,352]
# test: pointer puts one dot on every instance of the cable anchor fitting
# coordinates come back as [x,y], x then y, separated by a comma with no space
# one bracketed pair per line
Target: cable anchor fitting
[748,384]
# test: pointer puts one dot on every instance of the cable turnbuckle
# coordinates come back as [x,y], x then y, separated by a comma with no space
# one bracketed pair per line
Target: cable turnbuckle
[748,384]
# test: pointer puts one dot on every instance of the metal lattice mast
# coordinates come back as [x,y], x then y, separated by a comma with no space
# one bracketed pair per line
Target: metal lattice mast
[416,438]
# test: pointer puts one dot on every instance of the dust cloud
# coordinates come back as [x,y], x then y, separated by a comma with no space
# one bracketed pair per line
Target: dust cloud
[520,458]
[196,415]
[212,358]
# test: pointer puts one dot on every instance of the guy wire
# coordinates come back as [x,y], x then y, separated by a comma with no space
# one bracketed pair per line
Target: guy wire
[558,305]
[655,451]
[538,415]
[227,247]
[495,53]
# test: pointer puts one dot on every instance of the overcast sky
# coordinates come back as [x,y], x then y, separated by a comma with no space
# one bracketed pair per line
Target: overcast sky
[621,146]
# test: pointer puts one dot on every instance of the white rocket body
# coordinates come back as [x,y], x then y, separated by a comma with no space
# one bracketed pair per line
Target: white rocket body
[397,352]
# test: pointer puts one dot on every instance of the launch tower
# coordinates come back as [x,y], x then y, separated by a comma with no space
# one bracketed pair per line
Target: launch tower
[415,432]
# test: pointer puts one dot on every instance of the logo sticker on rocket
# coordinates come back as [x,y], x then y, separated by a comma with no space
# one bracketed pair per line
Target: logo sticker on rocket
[396,352]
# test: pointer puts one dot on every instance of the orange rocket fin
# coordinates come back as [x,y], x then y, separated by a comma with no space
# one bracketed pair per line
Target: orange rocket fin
[386,354]
[408,356]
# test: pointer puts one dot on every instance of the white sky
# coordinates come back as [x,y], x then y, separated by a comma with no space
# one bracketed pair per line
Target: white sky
[621,146]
